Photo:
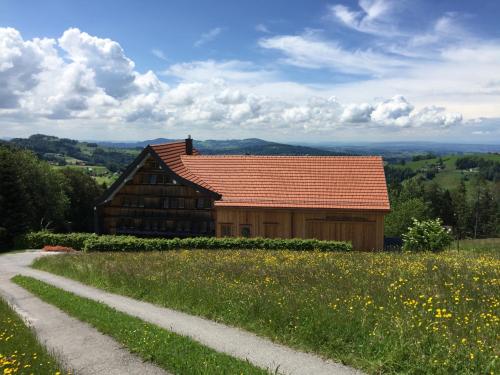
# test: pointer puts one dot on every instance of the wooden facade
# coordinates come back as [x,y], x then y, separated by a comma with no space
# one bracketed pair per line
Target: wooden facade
[154,203]
[172,191]
[364,229]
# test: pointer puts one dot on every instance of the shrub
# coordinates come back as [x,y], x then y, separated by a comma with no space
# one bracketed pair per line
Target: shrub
[37,240]
[426,235]
[93,242]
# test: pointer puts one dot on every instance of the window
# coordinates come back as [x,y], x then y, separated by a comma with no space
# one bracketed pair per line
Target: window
[165,179]
[203,203]
[245,230]
[181,202]
[165,203]
[226,230]
[152,179]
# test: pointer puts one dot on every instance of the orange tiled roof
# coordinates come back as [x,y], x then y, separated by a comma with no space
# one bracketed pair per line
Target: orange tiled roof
[340,182]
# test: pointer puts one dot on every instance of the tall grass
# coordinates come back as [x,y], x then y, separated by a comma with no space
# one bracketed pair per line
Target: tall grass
[478,245]
[384,313]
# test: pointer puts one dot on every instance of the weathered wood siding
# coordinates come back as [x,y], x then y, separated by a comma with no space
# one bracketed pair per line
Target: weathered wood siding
[154,203]
[364,229]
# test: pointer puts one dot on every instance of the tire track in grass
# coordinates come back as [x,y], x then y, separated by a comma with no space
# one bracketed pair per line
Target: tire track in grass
[173,352]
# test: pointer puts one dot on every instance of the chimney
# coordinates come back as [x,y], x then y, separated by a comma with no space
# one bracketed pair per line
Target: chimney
[189,145]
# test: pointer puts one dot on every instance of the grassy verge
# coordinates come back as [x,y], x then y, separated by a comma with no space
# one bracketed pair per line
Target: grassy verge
[168,350]
[20,351]
[384,313]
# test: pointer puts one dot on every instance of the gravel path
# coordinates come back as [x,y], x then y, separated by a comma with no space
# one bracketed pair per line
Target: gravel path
[233,341]
[79,346]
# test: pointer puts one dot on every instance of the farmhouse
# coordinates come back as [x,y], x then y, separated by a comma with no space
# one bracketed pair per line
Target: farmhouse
[170,190]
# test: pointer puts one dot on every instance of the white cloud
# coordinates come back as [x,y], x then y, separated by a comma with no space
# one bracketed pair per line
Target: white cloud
[357,113]
[21,63]
[311,51]
[373,17]
[83,79]
[113,71]
[159,53]
[394,111]
[208,36]
[230,70]
[262,28]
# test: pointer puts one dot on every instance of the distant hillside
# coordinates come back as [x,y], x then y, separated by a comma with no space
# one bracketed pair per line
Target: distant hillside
[447,173]
[252,146]
[405,150]
[116,156]
[63,151]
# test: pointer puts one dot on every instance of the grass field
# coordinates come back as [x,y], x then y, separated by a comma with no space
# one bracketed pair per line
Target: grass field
[384,313]
[20,352]
[100,173]
[177,354]
[450,176]
[479,245]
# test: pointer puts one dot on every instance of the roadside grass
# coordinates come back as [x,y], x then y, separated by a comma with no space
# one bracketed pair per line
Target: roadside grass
[175,353]
[383,313]
[20,351]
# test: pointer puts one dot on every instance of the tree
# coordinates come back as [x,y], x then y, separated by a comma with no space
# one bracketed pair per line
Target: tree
[31,193]
[402,215]
[14,200]
[461,210]
[484,209]
[440,203]
[82,191]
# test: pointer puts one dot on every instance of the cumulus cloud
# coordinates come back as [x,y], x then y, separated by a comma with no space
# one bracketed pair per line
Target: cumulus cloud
[21,62]
[113,71]
[83,77]
[357,113]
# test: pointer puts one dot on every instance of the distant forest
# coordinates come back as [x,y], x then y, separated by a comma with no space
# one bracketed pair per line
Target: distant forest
[57,150]
[467,199]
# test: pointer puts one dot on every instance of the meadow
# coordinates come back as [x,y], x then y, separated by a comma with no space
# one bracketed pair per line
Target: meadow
[20,352]
[450,176]
[380,312]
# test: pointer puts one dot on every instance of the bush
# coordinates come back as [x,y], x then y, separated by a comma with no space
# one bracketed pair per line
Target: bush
[37,240]
[93,242]
[426,235]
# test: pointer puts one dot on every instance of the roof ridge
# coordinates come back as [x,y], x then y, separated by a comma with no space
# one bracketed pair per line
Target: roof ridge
[286,156]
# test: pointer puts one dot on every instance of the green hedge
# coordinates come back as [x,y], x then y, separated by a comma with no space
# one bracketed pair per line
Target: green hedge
[92,242]
[37,240]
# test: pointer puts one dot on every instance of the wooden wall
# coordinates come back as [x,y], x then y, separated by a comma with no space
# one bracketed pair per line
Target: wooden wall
[154,203]
[364,229]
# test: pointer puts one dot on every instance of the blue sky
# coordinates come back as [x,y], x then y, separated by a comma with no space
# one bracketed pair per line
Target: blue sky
[282,70]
